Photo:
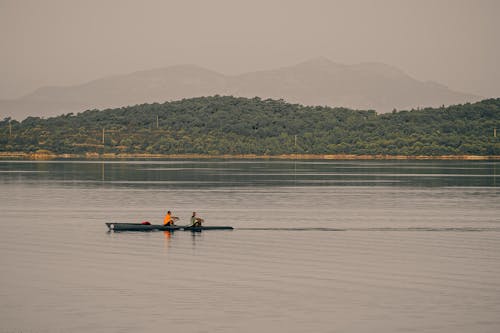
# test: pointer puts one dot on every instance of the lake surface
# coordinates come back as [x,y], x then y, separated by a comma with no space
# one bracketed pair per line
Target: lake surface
[318,246]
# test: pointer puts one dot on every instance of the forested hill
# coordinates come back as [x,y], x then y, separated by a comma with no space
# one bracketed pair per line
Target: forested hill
[229,125]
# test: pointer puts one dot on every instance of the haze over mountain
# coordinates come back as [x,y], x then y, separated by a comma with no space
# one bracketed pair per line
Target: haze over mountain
[315,82]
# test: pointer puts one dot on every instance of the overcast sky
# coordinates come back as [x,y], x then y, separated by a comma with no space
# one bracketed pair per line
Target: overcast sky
[454,42]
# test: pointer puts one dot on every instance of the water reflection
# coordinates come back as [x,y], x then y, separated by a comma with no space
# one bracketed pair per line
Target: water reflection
[195,234]
[200,174]
[167,235]
[102,172]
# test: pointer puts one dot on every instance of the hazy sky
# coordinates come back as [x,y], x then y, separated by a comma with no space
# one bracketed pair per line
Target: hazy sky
[48,42]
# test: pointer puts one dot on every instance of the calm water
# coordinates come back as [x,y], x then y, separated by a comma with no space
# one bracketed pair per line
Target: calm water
[317,247]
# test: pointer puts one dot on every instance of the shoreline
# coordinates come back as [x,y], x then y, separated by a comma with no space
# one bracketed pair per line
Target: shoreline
[123,156]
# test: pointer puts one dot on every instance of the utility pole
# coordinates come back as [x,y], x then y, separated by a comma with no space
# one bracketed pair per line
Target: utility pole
[103,135]
[157,122]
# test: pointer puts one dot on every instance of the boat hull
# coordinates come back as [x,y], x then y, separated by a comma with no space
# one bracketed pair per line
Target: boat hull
[117,226]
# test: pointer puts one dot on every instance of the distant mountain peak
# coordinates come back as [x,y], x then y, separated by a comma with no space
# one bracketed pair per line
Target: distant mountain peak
[180,68]
[317,81]
[318,62]
[380,68]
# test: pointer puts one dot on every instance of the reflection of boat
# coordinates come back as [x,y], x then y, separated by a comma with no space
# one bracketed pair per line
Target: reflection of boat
[115,226]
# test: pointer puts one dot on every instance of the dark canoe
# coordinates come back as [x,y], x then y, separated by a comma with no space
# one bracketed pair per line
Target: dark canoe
[116,226]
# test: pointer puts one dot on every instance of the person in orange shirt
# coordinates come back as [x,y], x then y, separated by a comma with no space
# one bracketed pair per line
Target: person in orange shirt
[169,219]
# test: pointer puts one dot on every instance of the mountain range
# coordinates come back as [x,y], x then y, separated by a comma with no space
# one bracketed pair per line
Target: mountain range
[319,81]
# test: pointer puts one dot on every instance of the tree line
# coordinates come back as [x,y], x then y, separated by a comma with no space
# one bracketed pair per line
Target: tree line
[232,125]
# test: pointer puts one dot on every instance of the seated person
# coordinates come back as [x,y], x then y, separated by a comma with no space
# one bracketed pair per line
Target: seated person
[196,221]
[169,219]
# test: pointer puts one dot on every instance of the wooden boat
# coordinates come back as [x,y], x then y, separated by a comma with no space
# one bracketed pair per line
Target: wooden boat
[116,226]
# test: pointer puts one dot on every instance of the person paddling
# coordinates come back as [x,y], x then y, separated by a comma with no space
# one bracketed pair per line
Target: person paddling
[196,221]
[169,219]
